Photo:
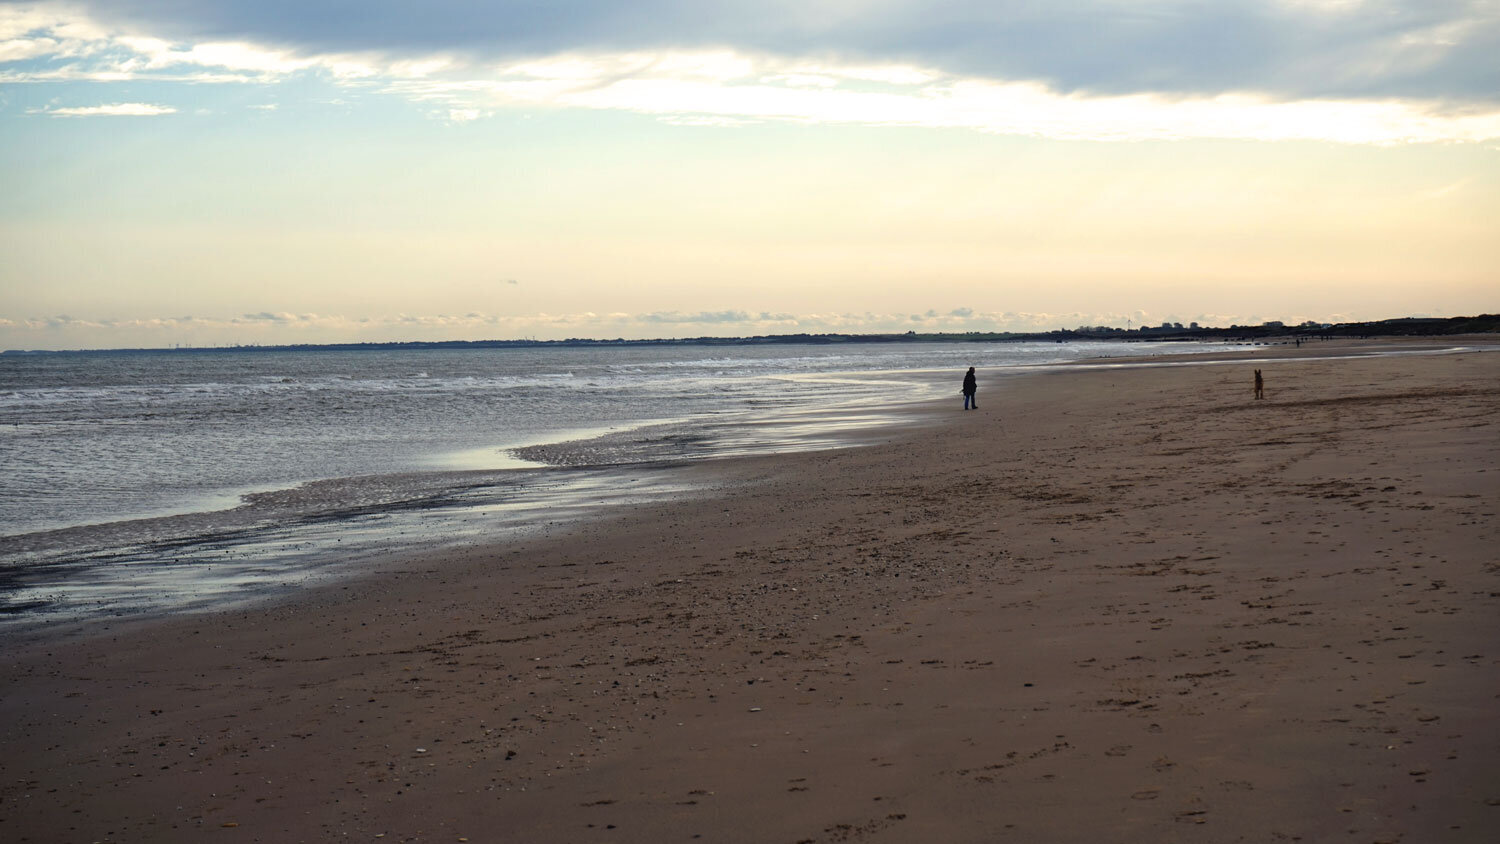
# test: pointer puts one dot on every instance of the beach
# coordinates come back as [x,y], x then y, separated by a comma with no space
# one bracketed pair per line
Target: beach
[1129,604]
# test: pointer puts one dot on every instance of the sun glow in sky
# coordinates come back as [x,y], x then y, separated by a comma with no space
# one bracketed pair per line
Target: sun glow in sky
[196,172]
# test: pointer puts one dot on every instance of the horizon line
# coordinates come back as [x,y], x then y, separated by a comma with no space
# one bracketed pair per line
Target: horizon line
[1174,332]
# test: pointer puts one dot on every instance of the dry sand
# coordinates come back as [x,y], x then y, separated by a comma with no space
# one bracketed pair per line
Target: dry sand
[1129,605]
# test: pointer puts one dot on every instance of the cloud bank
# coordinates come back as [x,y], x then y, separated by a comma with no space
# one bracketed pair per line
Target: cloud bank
[1346,71]
[1284,49]
[279,327]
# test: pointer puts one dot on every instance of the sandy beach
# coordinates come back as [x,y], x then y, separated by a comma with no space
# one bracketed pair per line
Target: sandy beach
[1128,605]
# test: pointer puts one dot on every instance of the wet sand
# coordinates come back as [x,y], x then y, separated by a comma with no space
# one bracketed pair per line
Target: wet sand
[1127,605]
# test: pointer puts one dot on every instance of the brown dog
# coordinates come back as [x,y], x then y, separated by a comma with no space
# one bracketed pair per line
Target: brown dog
[1260,385]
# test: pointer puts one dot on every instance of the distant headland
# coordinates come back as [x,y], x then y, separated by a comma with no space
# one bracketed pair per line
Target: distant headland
[1167,331]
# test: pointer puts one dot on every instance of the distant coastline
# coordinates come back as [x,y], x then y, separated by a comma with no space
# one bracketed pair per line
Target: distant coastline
[1166,332]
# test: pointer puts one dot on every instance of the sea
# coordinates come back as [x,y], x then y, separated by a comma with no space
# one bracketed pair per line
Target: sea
[166,481]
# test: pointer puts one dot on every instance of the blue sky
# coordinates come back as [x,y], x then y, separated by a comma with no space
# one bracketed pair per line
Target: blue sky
[234,172]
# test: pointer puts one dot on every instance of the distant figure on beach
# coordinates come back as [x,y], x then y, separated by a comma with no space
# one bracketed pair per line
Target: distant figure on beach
[1260,385]
[971,387]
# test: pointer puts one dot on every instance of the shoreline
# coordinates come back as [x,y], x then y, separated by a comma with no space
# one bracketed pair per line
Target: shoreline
[285,538]
[1123,604]
[278,541]
[284,549]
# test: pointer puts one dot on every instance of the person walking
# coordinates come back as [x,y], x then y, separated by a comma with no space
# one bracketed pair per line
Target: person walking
[971,387]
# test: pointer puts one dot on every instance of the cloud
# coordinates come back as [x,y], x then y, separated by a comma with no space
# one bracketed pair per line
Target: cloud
[64,322]
[1440,49]
[1371,72]
[112,110]
[57,41]
[282,318]
[272,327]
[637,83]
[700,318]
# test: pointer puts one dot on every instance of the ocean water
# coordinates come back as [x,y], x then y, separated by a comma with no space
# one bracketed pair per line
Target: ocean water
[142,481]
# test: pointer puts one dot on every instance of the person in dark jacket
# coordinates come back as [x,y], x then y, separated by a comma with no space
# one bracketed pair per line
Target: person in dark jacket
[970,388]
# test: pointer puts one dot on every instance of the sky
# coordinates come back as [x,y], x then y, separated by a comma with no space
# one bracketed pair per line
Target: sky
[214,172]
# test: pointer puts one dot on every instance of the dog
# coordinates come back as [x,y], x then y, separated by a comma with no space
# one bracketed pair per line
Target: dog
[1260,385]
